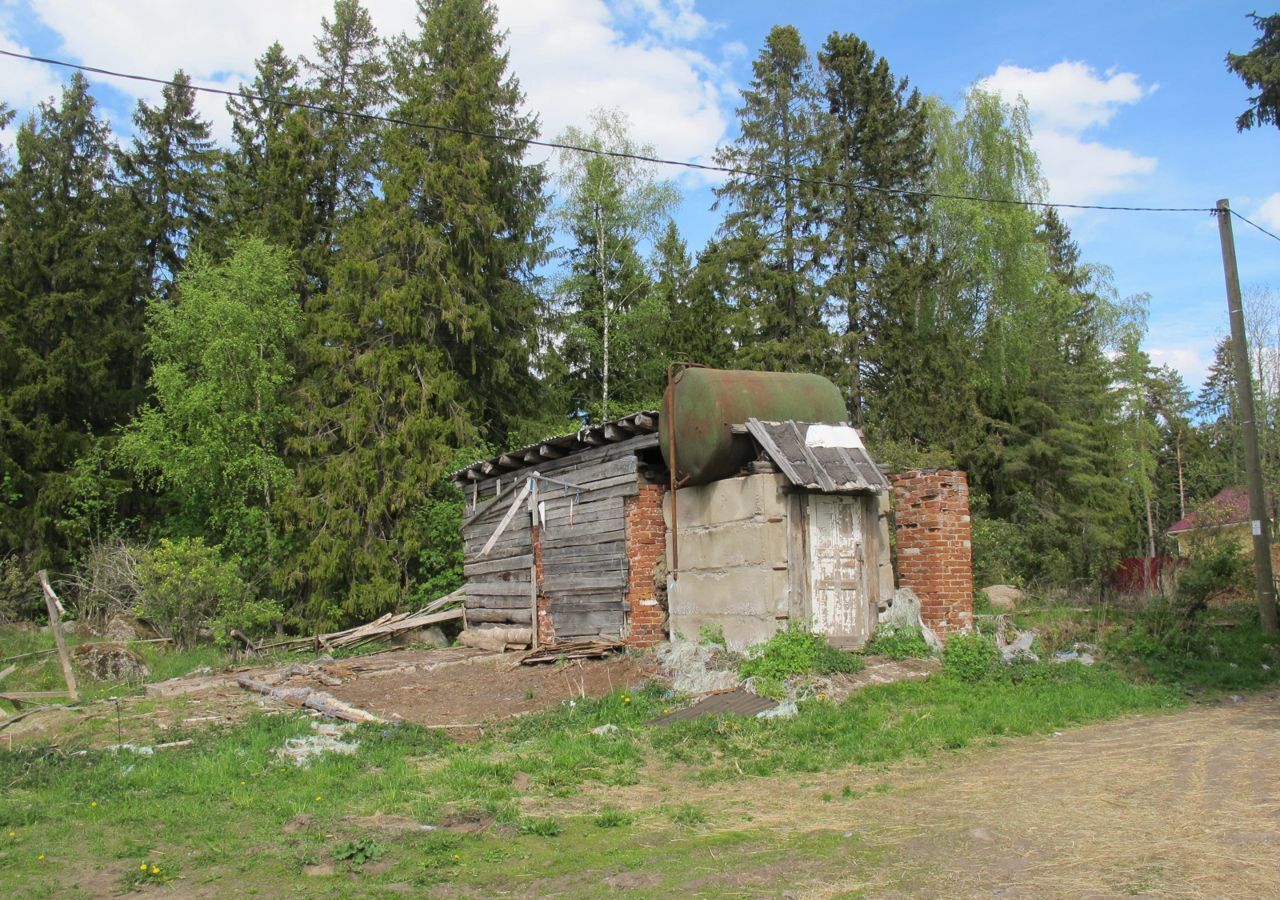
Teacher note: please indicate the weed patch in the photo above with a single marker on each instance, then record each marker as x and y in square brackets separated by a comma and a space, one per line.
[898, 643]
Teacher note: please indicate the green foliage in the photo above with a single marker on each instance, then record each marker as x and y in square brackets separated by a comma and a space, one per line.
[1259, 69]
[358, 852]
[714, 635]
[613, 817]
[797, 651]
[69, 318]
[1226, 653]
[210, 440]
[687, 814]
[543, 826]
[970, 656]
[20, 598]
[185, 584]
[608, 314]
[1217, 568]
[898, 643]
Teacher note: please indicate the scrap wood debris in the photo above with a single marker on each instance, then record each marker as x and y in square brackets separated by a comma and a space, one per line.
[594, 649]
[444, 609]
[309, 698]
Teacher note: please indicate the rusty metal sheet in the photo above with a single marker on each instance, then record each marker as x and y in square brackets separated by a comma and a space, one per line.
[731, 703]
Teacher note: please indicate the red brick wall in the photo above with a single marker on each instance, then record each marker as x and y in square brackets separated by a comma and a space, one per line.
[646, 555]
[931, 509]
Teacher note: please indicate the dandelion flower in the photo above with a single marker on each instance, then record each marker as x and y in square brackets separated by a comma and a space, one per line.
[317, 798]
[93, 802]
[142, 868]
[40, 858]
[626, 699]
[155, 870]
[13, 834]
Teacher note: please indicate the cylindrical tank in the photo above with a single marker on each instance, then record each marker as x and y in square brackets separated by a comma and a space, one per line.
[708, 401]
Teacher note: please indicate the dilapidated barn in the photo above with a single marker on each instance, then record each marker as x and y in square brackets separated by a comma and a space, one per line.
[779, 515]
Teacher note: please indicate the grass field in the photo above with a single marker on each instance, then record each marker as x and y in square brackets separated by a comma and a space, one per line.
[533, 806]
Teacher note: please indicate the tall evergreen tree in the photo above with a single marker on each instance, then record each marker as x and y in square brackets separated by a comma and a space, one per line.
[274, 169]
[1259, 69]
[349, 73]
[170, 175]
[873, 135]
[71, 327]
[769, 246]
[426, 333]
[693, 296]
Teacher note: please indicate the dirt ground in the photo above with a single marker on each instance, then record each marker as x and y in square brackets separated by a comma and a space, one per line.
[1178, 805]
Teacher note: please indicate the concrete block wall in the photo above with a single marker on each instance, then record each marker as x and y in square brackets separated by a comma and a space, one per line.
[733, 559]
[647, 567]
[934, 537]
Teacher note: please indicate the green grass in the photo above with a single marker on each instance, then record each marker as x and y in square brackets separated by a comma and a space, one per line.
[898, 643]
[227, 809]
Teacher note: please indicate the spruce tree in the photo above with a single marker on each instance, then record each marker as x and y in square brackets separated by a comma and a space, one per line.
[422, 344]
[769, 246]
[694, 298]
[873, 135]
[170, 176]
[68, 317]
[348, 73]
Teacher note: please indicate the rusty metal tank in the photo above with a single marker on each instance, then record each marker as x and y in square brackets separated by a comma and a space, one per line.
[707, 402]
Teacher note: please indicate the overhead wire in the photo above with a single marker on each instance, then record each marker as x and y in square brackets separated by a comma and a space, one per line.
[601, 151]
[1274, 237]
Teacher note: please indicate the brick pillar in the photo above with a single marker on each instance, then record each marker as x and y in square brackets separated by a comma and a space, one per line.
[546, 630]
[647, 567]
[931, 508]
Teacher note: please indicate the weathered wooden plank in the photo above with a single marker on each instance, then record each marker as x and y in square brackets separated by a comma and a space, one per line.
[574, 581]
[600, 603]
[576, 623]
[511, 576]
[520, 602]
[607, 559]
[497, 589]
[577, 535]
[557, 598]
[521, 616]
[504, 564]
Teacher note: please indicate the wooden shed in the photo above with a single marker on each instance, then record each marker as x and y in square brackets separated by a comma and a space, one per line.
[563, 538]
[570, 538]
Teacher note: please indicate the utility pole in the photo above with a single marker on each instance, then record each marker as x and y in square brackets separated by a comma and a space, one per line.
[1252, 462]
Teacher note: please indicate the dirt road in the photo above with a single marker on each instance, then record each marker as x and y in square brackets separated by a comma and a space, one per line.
[1179, 805]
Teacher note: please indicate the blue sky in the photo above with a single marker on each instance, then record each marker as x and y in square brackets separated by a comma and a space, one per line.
[1131, 102]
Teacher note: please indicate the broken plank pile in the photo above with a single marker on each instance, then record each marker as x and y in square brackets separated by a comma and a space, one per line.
[379, 629]
[571, 650]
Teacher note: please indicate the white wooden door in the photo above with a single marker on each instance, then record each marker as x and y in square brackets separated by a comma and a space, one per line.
[837, 569]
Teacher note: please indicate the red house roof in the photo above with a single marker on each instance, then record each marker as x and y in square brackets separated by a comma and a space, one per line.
[1230, 506]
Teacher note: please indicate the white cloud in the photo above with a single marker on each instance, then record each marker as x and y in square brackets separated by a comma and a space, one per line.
[1192, 361]
[570, 55]
[671, 19]
[1065, 101]
[1268, 212]
[25, 84]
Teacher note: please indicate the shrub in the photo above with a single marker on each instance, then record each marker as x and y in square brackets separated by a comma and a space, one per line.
[970, 656]
[797, 651]
[1216, 567]
[19, 596]
[898, 643]
[185, 585]
[105, 582]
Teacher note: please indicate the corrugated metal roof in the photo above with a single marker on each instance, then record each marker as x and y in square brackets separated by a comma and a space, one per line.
[819, 456]
[612, 432]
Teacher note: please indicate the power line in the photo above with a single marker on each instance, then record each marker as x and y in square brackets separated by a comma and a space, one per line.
[597, 151]
[1274, 237]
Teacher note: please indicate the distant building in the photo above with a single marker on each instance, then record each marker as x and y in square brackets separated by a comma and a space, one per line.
[1225, 515]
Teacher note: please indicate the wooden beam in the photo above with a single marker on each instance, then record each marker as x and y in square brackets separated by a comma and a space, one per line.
[592, 437]
[508, 461]
[614, 434]
[738, 429]
[646, 421]
[55, 614]
[547, 451]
